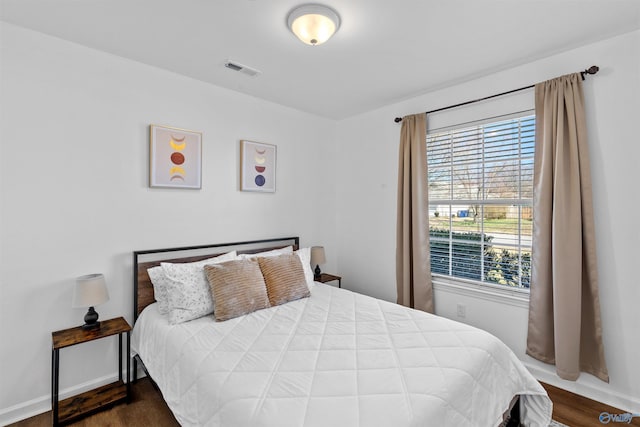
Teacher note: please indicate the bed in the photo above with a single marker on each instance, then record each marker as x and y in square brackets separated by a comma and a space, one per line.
[333, 358]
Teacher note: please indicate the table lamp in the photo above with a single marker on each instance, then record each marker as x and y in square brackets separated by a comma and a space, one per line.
[91, 290]
[317, 258]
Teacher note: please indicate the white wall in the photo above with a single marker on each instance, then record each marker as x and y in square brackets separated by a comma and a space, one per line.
[366, 206]
[75, 198]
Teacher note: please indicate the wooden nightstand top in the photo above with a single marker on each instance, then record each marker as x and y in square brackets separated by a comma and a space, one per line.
[77, 335]
[325, 277]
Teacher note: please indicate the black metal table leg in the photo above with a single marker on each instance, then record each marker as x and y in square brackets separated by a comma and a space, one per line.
[120, 357]
[56, 384]
[128, 355]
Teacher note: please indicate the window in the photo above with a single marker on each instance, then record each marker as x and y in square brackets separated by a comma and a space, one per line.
[480, 200]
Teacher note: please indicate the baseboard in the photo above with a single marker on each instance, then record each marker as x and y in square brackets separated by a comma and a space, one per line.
[42, 404]
[608, 397]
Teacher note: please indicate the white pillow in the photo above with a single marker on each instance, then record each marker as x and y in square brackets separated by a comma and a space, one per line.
[274, 252]
[188, 293]
[305, 258]
[159, 281]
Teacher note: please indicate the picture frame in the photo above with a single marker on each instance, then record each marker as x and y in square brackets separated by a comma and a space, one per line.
[175, 157]
[257, 166]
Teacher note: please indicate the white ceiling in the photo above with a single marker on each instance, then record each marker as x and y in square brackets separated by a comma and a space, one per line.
[385, 51]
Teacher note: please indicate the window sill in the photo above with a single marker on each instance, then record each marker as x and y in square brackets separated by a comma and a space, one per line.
[495, 293]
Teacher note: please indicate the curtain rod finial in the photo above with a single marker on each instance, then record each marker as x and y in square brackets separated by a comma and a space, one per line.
[591, 70]
[397, 119]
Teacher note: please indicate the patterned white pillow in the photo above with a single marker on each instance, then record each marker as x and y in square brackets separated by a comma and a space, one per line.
[188, 293]
[159, 281]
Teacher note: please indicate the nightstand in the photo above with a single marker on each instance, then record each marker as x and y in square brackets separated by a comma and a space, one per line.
[324, 278]
[91, 401]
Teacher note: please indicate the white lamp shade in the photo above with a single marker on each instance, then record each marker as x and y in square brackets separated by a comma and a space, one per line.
[317, 255]
[313, 24]
[91, 290]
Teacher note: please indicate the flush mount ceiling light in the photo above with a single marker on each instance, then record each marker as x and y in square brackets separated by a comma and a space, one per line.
[313, 24]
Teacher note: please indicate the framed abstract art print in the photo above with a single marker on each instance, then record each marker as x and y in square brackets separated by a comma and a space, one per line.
[257, 167]
[175, 157]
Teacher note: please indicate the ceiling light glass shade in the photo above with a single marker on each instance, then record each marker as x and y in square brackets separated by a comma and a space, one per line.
[313, 24]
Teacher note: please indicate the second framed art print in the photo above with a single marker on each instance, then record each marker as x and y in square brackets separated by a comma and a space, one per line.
[257, 167]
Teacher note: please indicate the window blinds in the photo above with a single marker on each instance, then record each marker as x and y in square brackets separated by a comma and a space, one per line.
[480, 180]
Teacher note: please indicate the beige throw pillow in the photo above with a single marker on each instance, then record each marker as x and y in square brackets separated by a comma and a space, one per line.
[237, 288]
[284, 277]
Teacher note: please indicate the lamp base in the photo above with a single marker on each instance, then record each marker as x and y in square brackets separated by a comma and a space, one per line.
[317, 273]
[91, 320]
[90, 326]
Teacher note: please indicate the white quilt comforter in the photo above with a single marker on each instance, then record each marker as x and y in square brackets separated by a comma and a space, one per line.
[337, 358]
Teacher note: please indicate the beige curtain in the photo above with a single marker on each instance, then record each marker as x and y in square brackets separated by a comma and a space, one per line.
[413, 268]
[564, 307]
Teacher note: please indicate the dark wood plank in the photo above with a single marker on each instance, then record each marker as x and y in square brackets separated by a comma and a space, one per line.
[94, 400]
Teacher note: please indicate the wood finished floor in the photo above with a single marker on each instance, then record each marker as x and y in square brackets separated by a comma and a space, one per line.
[148, 409]
[578, 411]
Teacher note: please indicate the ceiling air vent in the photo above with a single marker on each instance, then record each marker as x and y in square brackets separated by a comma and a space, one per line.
[235, 66]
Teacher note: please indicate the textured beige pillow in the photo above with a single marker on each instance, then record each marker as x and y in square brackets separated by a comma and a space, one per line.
[284, 277]
[237, 288]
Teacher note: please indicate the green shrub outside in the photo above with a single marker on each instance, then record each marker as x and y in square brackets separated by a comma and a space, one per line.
[500, 266]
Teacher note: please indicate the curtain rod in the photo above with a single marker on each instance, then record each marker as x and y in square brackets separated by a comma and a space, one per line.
[591, 70]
